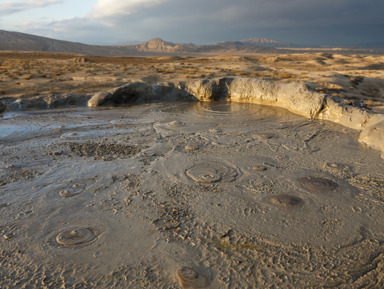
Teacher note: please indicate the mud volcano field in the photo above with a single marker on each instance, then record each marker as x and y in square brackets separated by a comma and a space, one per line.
[187, 195]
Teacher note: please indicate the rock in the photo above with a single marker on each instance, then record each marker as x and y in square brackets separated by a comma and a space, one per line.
[373, 137]
[169, 91]
[82, 60]
[29, 103]
[210, 89]
[151, 79]
[134, 92]
[50, 101]
[3, 107]
[140, 92]
[347, 115]
[295, 97]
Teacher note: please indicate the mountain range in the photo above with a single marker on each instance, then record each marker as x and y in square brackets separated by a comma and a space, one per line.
[17, 41]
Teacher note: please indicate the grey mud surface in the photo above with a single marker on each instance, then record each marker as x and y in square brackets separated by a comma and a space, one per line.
[226, 195]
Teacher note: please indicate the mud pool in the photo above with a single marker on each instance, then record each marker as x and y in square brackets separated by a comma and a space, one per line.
[206, 195]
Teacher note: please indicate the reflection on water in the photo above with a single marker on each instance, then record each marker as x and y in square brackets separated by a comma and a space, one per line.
[18, 126]
[225, 108]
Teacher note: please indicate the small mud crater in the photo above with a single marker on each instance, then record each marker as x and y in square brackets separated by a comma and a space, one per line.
[190, 278]
[318, 185]
[72, 135]
[192, 147]
[212, 173]
[265, 136]
[102, 151]
[76, 236]
[74, 190]
[73, 187]
[285, 201]
[173, 127]
[259, 168]
[176, 123]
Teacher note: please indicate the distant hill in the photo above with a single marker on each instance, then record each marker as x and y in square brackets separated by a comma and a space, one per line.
[17, 41]
[159, 45]
[26, 42]
[265, 42]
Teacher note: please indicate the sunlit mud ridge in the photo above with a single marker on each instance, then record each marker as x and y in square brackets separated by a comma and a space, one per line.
[295, 97]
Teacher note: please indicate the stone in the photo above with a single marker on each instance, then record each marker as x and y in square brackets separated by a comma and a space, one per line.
[3, 107]
[133, 92]
[373, 137]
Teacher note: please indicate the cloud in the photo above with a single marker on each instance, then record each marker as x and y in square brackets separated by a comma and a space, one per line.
[214, 20]
[11, 7]
[78, 29]
[208, 21]
[114, 8]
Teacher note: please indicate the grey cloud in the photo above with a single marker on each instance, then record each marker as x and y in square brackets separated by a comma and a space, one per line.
[207, 21]
[78, 29]
[7, 8]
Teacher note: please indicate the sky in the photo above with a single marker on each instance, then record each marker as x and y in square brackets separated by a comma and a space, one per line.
[112, 22]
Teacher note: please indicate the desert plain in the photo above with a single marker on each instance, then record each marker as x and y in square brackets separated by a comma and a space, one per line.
[188, 194]
[356, 76]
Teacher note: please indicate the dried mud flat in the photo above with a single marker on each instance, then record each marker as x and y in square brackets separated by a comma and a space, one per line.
[190, 195]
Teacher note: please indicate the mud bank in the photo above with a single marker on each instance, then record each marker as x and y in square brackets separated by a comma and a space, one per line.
[295, 97]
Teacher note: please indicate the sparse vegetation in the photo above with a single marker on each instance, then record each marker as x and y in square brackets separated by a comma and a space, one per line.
[344, 76]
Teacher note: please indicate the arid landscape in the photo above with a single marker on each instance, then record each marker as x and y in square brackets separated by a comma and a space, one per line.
[357, 78]
[198, 194]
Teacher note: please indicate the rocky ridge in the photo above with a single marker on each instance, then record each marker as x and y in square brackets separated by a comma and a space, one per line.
[17, 41]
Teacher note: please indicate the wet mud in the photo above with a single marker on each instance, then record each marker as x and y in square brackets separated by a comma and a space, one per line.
[187, 195]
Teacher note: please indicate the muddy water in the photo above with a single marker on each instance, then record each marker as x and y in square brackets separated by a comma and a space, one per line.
[227, 195]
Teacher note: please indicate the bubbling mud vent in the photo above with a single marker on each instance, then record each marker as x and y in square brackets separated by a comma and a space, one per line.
[285, 200]
[318, 185]
[187, 195]
[76, 236]
[190, 278]
[212, 172]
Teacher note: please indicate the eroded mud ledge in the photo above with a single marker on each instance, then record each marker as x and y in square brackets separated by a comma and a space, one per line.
[295, 97]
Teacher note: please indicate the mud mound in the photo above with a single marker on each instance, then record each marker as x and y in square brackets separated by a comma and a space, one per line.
[211, 173]
[285, 201]
[77, 236]
[318, 185]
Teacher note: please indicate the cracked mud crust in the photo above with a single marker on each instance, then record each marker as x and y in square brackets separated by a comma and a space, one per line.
[188, 198]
